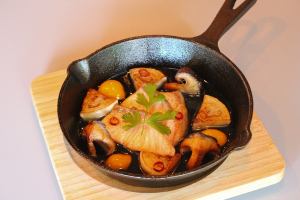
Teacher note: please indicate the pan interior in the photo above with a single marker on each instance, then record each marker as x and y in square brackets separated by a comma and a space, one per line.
[158, 52]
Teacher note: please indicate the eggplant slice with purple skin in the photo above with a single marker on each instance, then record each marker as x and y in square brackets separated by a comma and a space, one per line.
[95, 132]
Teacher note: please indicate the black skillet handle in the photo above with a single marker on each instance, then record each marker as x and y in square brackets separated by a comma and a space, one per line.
[225, 18]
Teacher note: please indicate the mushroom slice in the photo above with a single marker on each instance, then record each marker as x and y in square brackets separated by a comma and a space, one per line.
[95, 132]
[212, 113]
[199, 145]
[142, 75]
[157, 165]
[220, 136]
[186, 82]
[95, 105]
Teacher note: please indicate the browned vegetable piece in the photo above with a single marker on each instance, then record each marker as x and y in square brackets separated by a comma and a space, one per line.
[217, 134]
[157, 165]
[95, 132]
[199, 145]
[186, 82]
[212, 113]
[95, 105]
[142, 75]
[118, 161]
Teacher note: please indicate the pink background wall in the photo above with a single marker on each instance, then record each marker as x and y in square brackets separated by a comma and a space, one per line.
[37, 37]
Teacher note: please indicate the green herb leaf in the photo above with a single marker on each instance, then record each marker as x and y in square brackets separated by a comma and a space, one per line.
[158, 97]
[150, 90]
[141, 99]
[156, 118]
[159, 127]
[153, 96]
[132, 119]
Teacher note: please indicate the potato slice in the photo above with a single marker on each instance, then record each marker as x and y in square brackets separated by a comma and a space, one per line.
[212, 113]
[141, 76]
[157, 165]
[95, 105]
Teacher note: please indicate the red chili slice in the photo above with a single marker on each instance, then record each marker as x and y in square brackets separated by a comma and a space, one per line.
[114, 121]
[144, 72]
[158, 166]
[179, 115]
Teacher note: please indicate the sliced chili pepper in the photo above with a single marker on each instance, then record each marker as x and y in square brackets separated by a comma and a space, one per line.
[158, 166]
[179, 115]
[114, 121]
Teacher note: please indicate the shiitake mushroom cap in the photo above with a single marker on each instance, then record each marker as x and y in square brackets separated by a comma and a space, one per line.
[199, 144]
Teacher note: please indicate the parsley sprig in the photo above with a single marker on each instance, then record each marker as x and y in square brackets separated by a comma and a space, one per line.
[153, 96]
[156, 119]
[132, 119]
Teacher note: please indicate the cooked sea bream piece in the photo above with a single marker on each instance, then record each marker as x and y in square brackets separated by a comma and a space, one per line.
[141, 137]
[131, 102]
[173, 101]
[179, 125]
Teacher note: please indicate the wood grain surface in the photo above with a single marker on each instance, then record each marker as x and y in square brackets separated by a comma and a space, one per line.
[254, 167]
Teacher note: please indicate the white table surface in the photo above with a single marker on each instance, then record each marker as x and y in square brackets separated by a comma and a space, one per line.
[38, 37]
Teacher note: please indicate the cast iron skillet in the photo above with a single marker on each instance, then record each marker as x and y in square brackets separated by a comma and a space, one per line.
[201, 53]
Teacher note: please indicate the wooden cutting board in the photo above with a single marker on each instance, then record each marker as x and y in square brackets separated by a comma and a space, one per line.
[258, 165]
